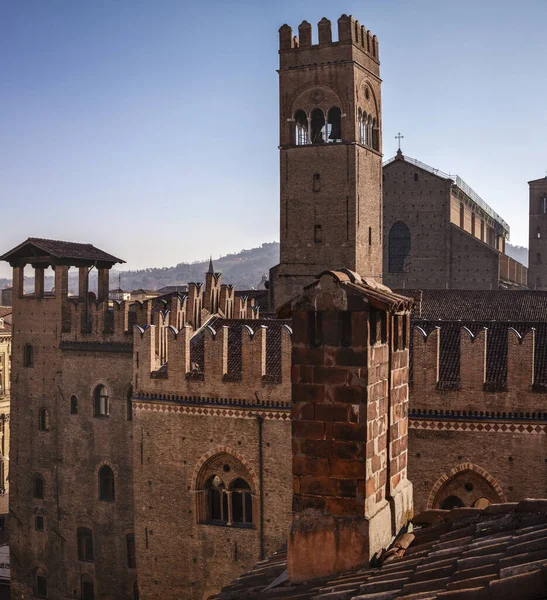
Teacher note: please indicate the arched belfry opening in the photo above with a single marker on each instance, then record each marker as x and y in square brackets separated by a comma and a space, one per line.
[317, 126]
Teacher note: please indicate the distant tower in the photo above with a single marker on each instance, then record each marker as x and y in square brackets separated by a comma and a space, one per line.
[331, 155]
[537, 247]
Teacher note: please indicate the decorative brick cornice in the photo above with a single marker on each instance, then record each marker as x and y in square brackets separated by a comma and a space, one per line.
[215, 411]
[481, 427]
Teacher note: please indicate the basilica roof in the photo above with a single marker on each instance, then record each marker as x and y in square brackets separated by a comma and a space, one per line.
[499, 552]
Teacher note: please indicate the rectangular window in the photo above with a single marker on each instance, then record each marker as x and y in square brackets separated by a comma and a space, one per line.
[131, 554]
[318, 234]
[39, 523]
[41, 586]
[316, 182]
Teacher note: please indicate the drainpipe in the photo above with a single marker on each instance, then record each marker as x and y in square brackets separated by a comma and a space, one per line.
[260, 422]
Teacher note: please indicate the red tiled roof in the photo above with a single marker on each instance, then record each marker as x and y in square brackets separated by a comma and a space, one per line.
[60, 250]
[480, 305]
[463, 554]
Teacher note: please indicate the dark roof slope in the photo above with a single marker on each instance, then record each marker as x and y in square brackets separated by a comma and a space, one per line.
[480, 305]
[62, 251]
[463, 554]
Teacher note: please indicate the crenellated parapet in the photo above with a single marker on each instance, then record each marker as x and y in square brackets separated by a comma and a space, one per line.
[350, 32]
[94, 321]
[224, 361]
[474, 362]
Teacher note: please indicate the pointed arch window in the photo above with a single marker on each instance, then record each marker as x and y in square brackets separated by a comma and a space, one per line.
[301, 128]
[106, 484]
[73, 405]
[101, 401]
[38, 487]
[225, 495]
[399, 247]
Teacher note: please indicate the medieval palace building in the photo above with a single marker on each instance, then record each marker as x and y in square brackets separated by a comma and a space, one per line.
[160, 448]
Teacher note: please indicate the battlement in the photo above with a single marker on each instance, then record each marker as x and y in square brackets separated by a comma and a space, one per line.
[225, 358]
[350, 32]
[464, 361]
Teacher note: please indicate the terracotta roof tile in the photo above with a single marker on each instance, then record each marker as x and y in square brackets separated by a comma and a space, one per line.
[471, 556]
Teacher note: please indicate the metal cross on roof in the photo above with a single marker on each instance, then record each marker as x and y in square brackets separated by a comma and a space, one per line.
[399, 137]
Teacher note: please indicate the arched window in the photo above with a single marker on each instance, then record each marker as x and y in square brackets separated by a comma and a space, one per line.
[101, 403]
[73, 405]
[317, 126]
[88, 589]
[242, 502]
[129, 402]
[416, 177]
[43, 420]
[399, 247]
[106, 483]
[301, 121]
[543, 205]
[334, 125]
[40, 583]
[85, 544]
[360, 125]
[38, 487]
[451, 502]
[538, 232]
[217, 501]
[375, 135]
[28, 355]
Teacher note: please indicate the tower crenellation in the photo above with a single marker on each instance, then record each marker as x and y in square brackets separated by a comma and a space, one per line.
[350, 33]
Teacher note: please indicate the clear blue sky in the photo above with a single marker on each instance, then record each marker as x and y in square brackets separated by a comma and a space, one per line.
[149, 128]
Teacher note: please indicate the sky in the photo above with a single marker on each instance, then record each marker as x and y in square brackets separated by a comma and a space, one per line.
[150, 127]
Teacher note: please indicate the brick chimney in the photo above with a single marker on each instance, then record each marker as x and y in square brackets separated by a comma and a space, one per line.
[350, 405]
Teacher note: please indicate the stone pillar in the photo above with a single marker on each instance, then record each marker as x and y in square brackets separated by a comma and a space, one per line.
[349, 418]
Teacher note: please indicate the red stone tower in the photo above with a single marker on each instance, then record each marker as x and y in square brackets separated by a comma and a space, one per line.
[331, 155]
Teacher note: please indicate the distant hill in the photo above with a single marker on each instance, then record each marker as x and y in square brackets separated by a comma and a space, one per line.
[519, 253]
[244, 270]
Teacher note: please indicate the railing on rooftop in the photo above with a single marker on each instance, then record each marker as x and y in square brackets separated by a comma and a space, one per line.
[459, 183]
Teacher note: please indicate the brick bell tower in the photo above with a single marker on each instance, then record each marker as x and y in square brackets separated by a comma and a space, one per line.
[537, 246]
[331, 155]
